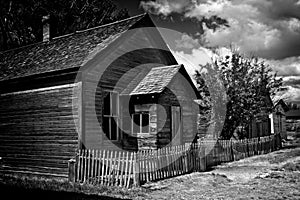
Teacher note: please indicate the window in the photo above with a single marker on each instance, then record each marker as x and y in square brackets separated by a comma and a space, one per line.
[140, 123]
[110, 115]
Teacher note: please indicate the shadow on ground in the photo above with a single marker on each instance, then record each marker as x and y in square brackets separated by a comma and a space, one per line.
[11, 193]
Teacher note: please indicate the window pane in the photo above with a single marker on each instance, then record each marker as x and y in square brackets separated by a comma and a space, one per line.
[145, 123]
[136, 123]
[114, 99]
[114, 129]
[106, 104]
[105, 126]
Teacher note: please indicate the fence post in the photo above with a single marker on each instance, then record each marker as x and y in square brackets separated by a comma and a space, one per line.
[72, 170]
[280, 141]
[136, 171]
[231, 148]
[202, 158]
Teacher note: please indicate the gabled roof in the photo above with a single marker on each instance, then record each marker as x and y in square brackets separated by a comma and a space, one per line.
[140, 74]
[283, 104]
[153, 80]
[65, 52]
[156, 80]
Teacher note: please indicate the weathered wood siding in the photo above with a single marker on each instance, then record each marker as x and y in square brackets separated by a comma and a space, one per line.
[279, 121]
[179, 93]
[94, 86]
[260, 127]
[38, 129]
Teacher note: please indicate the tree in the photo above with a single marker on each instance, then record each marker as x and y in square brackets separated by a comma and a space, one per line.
[248, 84]
[21, 20]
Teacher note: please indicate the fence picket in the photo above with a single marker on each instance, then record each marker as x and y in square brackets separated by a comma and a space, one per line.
[113, 168]
[78, 178]
[130, 167]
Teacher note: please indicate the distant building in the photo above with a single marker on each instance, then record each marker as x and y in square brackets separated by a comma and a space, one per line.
[278, 119]
[293, 114]
[293, 120]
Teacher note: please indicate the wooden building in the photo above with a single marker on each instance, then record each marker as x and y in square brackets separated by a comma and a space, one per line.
[261, 125]
[278, 119]
[293, 115]
[85, 90]
[268, 123]
[164, 97]
[293, 120]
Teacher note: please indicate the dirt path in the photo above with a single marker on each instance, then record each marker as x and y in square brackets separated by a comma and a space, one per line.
[272, 176]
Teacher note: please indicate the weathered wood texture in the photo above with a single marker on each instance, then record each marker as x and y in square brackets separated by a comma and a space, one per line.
[106, 167]
[278, 119]
[260, 127]
[279, 122]
[179, 93]
[114, 70]
[125, 169]
[38, 129]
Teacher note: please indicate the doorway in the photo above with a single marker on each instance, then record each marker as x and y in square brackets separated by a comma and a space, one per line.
[176, 129]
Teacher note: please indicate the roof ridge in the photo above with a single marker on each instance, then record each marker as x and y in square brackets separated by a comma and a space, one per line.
[112, 23]
[21, 47]
[70, 34]
[160, 67]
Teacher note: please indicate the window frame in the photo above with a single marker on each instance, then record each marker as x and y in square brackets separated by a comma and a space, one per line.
[111, 116]
[141, 122]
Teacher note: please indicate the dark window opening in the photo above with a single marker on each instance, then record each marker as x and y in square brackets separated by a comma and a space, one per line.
[110, 115]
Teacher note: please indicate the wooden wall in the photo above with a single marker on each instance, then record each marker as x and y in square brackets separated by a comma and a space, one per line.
[260, 127]
[148, 140]
[166, 100]
[279, 121]
[179, 93]
[38, 129]
[105, 72]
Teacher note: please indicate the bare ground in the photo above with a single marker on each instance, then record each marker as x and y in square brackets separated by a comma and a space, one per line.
[271, 176]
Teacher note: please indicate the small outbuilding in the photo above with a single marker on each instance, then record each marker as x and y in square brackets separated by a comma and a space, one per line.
[278, 119]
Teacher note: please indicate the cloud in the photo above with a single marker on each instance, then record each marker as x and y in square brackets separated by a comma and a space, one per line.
[291, 89]
[166, 7]
[293, 81]
[286, 67]
[267, 29]
[291, 94]
[192, 62]
[187, 42]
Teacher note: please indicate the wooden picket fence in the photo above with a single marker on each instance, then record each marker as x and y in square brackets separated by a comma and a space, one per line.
[110, 168]
[124, 169]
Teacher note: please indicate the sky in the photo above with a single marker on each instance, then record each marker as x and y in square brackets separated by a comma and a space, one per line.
[267, 29]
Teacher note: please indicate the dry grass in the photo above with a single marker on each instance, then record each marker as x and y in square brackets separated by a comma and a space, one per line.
[271, 176]
[34, 183]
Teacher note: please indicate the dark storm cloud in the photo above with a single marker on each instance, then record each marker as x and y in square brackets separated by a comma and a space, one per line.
[293, 82]
[268, 29]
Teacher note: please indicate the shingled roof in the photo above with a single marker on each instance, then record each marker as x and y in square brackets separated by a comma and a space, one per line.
[61, 53]
[156, 80]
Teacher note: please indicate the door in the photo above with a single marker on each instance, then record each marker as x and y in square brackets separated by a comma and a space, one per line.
[176, 129]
